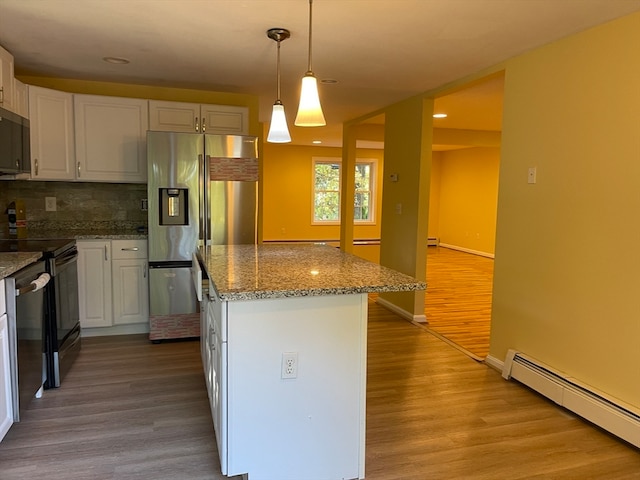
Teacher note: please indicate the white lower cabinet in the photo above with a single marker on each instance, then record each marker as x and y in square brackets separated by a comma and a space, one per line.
[268, 426]
[130, 282]
[6, 409]
[113, 286]
[94, 283]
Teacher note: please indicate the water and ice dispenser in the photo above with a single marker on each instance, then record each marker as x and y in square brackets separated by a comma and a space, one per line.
[174, 206]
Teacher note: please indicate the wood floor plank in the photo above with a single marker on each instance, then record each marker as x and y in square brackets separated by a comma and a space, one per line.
[131, 410]
[458, 298]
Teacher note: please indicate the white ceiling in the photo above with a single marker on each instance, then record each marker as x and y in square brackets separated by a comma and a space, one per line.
[379, 51]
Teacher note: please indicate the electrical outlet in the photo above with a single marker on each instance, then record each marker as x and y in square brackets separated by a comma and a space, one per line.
[144, 205]
[50, 204]
[289, 365]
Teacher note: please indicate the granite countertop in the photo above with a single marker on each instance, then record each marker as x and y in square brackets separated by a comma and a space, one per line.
[251, 272]
[89, 234]
[11, 262]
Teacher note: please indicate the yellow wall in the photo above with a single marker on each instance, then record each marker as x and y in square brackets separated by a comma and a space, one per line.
[288, 194]
[434, 195]
[405, 207]
[468, 197]
[567, 264]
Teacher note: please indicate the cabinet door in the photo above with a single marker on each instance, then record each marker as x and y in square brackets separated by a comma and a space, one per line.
[225, 119]
[174, 117]
[217, 370]
[130, 291]
[111, 138]
[52, 144]
[6, 409]
[6, 80]
[21, 98]
[94, 283]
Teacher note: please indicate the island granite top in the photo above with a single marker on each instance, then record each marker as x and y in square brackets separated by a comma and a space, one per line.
[11, 262]
[251, 272]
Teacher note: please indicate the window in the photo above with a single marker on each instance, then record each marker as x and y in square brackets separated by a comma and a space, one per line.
[326, 190]
[326, 202]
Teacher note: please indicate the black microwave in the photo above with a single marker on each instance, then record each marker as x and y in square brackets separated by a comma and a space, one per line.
[15, 153]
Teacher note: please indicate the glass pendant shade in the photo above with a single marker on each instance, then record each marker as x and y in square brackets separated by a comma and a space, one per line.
[309, 111]
[278, 131]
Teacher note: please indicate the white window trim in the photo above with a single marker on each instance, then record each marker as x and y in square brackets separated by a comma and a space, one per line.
[373, 175]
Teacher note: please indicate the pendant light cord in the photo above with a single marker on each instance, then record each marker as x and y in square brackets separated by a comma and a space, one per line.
[310, 27]
[278, 74]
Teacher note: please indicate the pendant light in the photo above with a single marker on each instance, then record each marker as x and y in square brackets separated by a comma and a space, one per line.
[278, 131]
[309, 111]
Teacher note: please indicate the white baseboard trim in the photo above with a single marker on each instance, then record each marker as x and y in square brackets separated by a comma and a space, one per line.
[402, 312]
[494, 363]
[467, 250]
[117, 330]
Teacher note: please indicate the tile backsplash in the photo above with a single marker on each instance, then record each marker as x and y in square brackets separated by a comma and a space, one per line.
[79, 205]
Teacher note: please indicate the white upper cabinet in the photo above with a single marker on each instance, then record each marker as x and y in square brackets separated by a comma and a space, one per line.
[52, 139]
[21, 98]
[111, 136]
[198, 118]
[6, 80]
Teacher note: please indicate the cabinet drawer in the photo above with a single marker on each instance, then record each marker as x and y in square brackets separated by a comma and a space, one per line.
[124, 249]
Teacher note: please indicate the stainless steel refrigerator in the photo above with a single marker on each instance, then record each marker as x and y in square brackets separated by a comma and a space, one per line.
[202, 190]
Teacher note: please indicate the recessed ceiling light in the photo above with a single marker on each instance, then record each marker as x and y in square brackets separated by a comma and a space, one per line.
[317, 142]
[439, 115]
[116, 60]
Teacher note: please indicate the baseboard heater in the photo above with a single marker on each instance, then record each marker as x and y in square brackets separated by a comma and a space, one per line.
[432, 241]
[609, 414]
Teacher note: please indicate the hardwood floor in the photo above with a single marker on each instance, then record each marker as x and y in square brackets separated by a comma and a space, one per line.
[132, 410]
[458, 299]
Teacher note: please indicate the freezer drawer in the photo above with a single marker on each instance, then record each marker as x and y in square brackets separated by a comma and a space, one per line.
[171, 291]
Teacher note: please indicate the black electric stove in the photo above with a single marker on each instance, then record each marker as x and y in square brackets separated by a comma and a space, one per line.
[62, 318]
[48, 248]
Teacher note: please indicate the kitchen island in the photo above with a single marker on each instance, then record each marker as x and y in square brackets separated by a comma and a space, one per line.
[11, 262]
[284, 345]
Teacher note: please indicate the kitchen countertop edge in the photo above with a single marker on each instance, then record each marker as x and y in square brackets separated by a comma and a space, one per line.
[255, 276]
[11, 262]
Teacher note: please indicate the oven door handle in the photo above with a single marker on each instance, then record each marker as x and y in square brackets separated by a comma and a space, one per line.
[38, 284]
[64, 261]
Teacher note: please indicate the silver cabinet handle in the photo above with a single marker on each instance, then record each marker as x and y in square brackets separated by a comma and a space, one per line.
[1, 94]
[204, 126]
[18, 163]
[106, 256]
[131, 249]
[197, 125]
[144, 271]
[78, 169]
[36, 166]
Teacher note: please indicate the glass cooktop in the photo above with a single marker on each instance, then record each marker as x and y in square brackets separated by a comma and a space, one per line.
[47, 247]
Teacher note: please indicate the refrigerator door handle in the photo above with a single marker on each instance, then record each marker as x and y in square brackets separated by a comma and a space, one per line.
[202, 186]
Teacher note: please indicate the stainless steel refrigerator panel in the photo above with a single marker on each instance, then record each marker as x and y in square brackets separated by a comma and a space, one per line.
[233, 212]
[231, 146]
[174, 162]
[171, 291]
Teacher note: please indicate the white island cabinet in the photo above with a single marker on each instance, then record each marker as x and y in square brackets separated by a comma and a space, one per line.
[286, 371]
